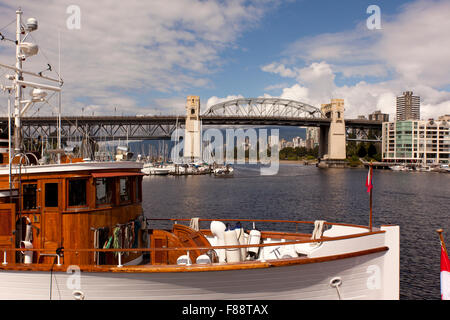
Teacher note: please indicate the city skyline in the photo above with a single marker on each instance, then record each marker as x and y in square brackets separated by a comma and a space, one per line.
[153, 56]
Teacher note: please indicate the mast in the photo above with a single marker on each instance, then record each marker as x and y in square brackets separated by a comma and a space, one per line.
[23, 51]
[9, 139]
[18, 87]
[59, 97]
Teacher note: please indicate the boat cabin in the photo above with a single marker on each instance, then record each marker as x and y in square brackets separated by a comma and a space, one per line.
[68, 206]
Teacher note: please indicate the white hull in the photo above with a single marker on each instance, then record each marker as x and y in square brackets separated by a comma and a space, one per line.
[155, 171]
[307, 281]
[364, 274]
[399, 168]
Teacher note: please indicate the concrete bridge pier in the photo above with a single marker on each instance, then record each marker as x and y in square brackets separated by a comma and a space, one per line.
[332, 144]
[192, 134]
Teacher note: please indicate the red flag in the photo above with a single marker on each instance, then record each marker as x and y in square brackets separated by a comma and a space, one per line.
[369, 184]
[445, 275]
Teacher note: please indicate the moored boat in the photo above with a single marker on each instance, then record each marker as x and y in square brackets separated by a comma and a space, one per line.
[152, 169]
[77, 230]
[226, 170]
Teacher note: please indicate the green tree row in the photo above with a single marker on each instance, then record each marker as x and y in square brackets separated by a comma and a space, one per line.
[299, 153]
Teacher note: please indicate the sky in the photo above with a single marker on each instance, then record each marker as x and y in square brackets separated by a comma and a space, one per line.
[145, 57]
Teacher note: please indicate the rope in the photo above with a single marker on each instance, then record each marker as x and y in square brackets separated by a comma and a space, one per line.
[116, 235]
[317, 232]
[194, 224]
[96, 246]
[8, 24]
[318, 229]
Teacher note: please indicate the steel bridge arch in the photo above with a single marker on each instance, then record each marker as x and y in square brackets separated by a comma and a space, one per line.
[264, 107]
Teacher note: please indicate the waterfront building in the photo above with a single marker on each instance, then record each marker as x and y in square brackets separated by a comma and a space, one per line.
[416, 141]
[312, 137]
[379, 116]
[408, 107]
[298, 142]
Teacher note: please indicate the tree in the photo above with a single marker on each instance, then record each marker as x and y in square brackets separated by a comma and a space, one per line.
[362, 152]
[371, 151]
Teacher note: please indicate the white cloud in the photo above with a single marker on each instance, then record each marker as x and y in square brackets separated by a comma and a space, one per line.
[296, 92]
[411, 52]
[215, 100]
[128, 48]
[276, 86]
[280, 69]
[416, 43]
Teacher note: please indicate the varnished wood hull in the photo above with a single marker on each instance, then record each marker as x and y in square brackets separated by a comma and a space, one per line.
[362, 277]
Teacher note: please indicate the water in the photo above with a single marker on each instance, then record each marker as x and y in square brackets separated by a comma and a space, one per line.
[417, 201]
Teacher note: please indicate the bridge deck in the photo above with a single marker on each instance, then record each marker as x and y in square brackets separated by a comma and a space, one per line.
[158, 127]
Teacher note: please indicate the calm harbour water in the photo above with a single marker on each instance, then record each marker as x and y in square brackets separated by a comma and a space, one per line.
[417, 201]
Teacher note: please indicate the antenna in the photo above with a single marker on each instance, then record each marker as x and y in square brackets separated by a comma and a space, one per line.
[59, 95]
[25, 50]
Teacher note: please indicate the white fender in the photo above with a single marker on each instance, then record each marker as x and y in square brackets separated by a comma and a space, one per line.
[233, 254]
[254, 238]
[240, 233]
[218, 231]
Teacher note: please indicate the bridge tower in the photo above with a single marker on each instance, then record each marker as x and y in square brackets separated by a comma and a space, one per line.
[332, 145]
[192, 134]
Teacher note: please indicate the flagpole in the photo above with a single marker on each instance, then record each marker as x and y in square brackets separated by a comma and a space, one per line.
[370, 199]
[439, 231]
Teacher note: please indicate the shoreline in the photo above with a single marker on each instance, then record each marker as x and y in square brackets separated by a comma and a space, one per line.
[309, 162]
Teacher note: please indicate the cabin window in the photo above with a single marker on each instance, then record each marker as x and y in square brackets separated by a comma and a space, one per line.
[77, 192]
[104, 190]
[51, 194]
[124, 189]
[29, 192]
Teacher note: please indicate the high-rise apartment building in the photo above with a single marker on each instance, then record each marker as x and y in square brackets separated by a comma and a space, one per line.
[378, 116]
[312, 137]
[408, 107]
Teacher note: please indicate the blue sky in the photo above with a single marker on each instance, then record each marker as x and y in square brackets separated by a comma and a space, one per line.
[277, 31]
[145, 57]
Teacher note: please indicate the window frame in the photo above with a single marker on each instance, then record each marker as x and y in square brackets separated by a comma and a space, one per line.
[130, 190]
[36, 209]
[44, 198]
[112, 201]
[68, 181]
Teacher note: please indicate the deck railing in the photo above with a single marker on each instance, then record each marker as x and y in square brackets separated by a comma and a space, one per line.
[58, 253]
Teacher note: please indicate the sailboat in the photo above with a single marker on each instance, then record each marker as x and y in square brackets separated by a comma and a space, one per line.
[78, 231]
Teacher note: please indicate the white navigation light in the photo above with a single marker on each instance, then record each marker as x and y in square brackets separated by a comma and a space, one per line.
[37, 93]
[29, 49]
[32, 24]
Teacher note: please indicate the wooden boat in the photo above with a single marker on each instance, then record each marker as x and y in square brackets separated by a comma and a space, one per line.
[77, 230]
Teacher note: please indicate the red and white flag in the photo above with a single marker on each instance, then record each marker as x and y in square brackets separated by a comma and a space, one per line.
[445, 275]
[369, 184]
